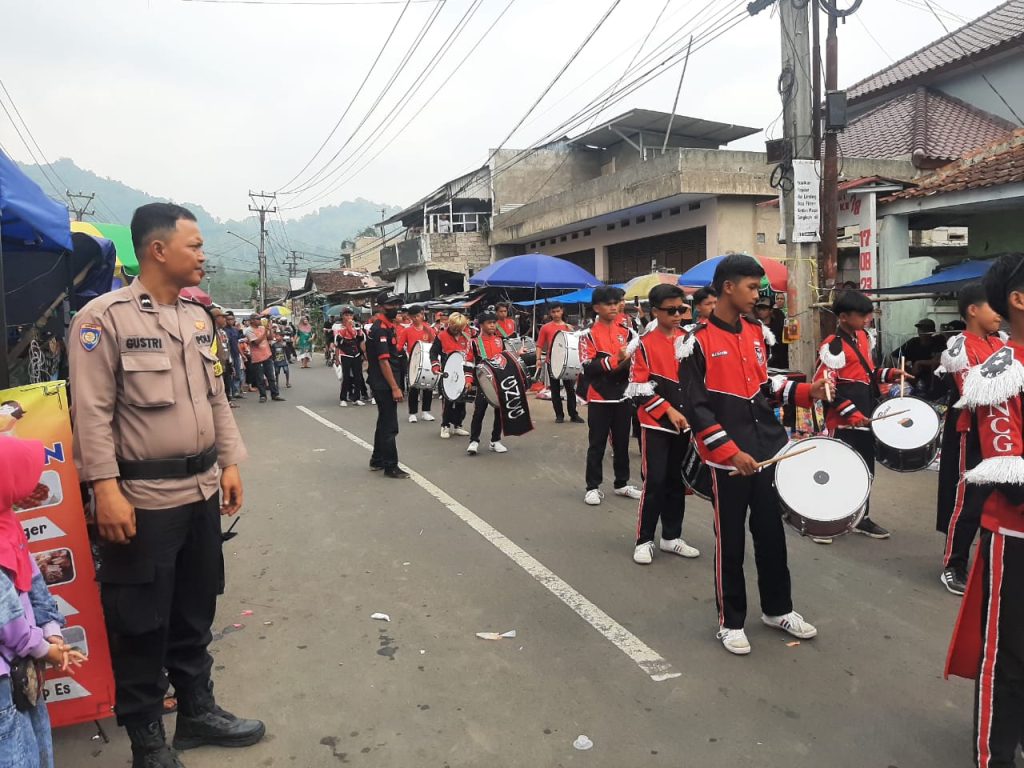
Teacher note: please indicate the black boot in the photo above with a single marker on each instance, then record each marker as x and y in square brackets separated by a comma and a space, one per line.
[149, 747]
[201, 721]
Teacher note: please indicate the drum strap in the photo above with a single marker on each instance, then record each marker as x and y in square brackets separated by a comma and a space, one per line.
[863, 361]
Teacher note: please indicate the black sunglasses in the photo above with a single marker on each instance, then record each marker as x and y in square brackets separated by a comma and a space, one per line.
[674, 310]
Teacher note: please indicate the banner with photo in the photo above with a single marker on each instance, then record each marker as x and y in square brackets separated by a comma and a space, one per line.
[54, 522]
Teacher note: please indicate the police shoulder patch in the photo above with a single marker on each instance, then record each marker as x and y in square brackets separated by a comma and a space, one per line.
[90, 334]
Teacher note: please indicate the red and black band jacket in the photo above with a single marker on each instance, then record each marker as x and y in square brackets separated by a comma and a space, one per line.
[854, 397]
[349, 341]
[728, 397]
[444, 344]
[507, 327]
[963, 352]
[605, 377]
[654, 385]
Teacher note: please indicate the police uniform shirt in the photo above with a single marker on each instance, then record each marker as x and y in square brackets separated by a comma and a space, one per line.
[146, 385]
[381, 345]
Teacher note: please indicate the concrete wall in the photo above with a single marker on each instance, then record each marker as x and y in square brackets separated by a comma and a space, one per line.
[1005, 73]
[740, 221]
[542, 173]
[465, 252]
[995, 232]
[366, 254]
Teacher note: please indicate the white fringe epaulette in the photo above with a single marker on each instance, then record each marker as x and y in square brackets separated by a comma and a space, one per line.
[954, 356]
[778, 382]
[1003, 336]
[997, 471]
[872, 337]
[634, 344]
[635, 389]
[835, 362]
[769, 337]
[684, 346]
[995, 381]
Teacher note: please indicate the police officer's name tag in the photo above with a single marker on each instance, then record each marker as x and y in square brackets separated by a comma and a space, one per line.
[143, 342]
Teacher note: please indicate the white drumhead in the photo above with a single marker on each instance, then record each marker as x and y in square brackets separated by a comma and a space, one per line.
[454, 381]
[416, 357]
[827, 484]
[914, 429]
[559, 353]
[485, 380]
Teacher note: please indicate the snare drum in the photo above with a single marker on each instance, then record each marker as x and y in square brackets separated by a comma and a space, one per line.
[525, 349]
[420, 374]
[565, 356]
[908, 442]
[824, 492]
[697, 474]
[453, 380]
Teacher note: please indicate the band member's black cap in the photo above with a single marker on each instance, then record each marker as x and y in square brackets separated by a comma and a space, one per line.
[484, 317]
[387, 298]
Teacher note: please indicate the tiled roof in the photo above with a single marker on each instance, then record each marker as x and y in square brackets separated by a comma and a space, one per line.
[341, 280]
[1000, 163]
[1000, 28]
[929, 126]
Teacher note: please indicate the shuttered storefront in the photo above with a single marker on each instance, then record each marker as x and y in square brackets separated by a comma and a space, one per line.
[677, 251]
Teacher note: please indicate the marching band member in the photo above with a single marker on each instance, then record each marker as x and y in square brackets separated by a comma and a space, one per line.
[605, 357]
[417, 331]
[958, 512]
[704, 300]
[440, 321]
[657, 394]
[544, 340]
[847, 357]
[486, 346]
[453, 339]
[348, 345]
[728, 401]
[988, 642]
[506, 325]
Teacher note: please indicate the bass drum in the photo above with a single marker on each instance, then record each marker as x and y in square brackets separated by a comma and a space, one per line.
[503, 383]
[824, 492]
[565, 356]
[907, 442]
[420, 374]
[697, 474]
[453, 379]
[525, 349]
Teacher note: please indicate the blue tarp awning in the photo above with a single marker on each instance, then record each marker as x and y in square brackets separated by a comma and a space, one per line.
[27, 216]
[582, 296]
[943, 281]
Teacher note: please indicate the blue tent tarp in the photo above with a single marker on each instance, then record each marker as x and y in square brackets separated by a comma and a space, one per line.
[582, 296]
[944, 280]
[27, 216]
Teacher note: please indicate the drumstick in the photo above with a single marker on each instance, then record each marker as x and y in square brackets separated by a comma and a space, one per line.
[777, 459]
[888, 415]
[828, 390]
[903, 374]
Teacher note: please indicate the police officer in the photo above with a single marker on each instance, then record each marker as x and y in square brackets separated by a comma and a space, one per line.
[155, 438]
[384, 381]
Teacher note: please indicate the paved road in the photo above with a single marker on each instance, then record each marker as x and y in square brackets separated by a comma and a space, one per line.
[466, 547]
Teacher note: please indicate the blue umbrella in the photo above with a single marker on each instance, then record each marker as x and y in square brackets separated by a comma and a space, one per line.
[534, 270]
[704, 272]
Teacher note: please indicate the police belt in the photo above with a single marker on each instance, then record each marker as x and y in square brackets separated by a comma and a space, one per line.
[168, 469]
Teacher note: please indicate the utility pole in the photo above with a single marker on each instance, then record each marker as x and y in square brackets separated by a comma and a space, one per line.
[293, 264]
[802, 326]
[262, 208]
[81, 210]
[210, 271]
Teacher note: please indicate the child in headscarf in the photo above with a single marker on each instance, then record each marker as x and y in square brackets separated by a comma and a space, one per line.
[29, 619]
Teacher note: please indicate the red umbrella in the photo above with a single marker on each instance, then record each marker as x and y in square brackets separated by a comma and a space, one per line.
[197, 294]
[704, 272]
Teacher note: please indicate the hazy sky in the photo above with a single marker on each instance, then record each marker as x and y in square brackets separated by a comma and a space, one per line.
[201, 101]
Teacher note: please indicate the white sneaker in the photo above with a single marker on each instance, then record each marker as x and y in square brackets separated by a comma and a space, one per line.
[643, 554]
[445, 433]
[678, 547]
[343, 403]
[793, 623]
[593, 497]
[427, 417]
[412, 418]
[628, 491]
[472, 448]
[497, 447]
[735, 641]
[461, 432]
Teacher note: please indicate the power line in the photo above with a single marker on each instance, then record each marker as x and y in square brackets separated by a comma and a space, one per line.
[32, 154]
[874, 39]
[380, 97]
[427, 102]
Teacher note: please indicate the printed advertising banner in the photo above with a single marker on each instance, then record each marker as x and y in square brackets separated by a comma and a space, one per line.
[54, 522]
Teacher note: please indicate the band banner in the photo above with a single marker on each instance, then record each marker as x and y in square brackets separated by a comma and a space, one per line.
[510, 383]
[54, 522]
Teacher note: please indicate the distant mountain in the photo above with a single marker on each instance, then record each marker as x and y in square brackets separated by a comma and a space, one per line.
[317, 236]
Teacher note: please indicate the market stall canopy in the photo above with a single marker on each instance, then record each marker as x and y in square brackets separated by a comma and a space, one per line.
[534, 270]
[28, 218]
[943, 280]
[640, 287]
[704, 273]
[120, 235]
[582, 296]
